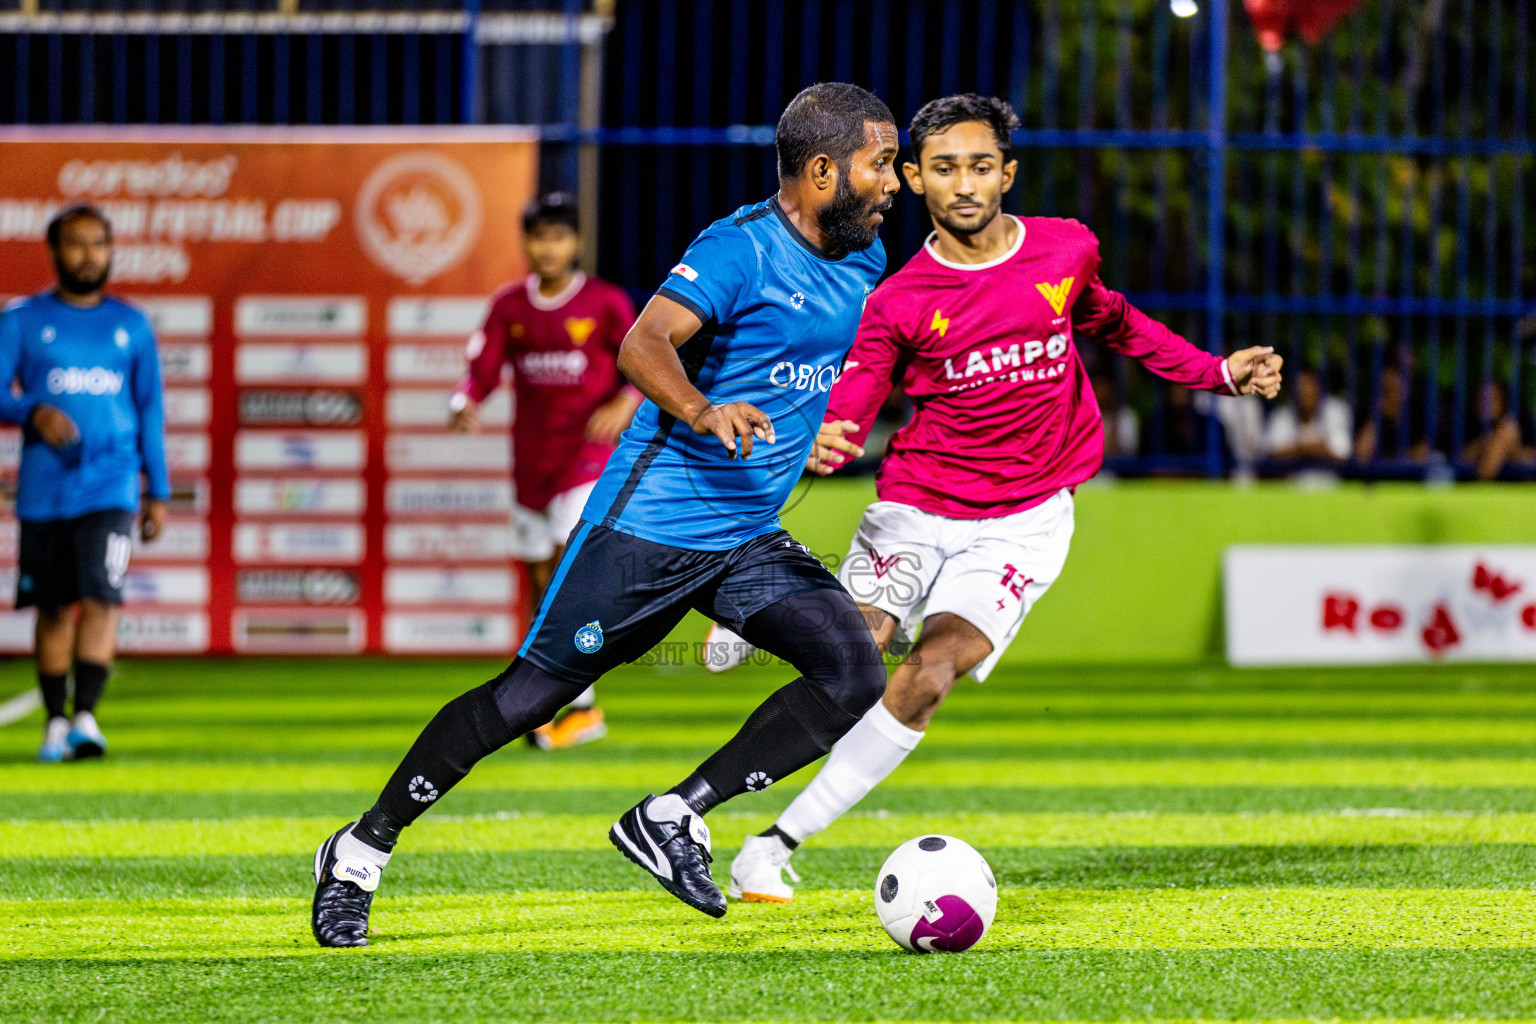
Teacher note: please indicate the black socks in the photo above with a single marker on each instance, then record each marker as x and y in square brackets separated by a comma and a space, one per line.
[698, 794]
[468, 728]
[90, 681]
[55, 692]
[465, 730]
[796, 724]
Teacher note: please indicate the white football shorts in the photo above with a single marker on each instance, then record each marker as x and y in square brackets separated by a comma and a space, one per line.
[536, 535]
[989, 572]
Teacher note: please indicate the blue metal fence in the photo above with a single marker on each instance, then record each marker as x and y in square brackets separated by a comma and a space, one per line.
[1362, 204]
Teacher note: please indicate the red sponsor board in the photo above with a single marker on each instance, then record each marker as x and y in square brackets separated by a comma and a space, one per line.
[311, 291]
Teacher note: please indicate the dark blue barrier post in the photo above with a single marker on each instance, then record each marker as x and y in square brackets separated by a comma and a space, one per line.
[1216, 204]
[469, 69]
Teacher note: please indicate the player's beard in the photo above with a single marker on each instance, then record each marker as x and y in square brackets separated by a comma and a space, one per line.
[971, 225]
[77, 284]
[846, 218]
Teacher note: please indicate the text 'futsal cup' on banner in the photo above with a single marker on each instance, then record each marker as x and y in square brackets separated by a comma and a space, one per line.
[296, 279]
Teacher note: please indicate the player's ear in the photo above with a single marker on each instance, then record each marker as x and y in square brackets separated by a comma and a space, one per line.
[1009, 170]
[914, 176]
[822, 171]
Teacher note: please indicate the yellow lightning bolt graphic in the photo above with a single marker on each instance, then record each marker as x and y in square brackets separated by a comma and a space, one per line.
[940, 323]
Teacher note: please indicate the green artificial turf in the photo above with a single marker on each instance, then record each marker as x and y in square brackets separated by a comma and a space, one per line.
[1171, 844]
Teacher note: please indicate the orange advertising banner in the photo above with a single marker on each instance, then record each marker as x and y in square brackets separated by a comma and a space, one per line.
[311, 291]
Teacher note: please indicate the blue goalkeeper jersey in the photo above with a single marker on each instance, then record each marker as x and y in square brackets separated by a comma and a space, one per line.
[99, 366]
[778, 317]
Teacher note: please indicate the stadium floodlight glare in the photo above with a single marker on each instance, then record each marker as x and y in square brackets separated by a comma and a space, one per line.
[1183, 8]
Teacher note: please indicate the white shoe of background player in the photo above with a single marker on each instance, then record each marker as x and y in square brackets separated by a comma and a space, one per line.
[756, 873]
[724, 650]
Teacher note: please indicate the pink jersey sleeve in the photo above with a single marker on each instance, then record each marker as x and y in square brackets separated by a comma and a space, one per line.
[487, 353]
[1106, 317]
[869, 372]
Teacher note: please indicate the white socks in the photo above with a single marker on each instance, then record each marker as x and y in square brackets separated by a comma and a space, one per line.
[351, 846]
[586, 700]
[859, 762]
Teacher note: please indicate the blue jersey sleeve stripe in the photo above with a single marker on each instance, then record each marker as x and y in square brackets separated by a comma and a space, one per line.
[687, 303]
[554, 585]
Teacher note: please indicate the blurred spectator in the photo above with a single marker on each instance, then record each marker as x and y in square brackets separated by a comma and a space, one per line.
[1373, 442]
[1122, 427]
[1317, 428]
[1183, 424]
[1501, 444]
[1242, 420]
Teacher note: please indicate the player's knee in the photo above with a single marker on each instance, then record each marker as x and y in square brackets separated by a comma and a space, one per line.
[857, 679]
[527, 696]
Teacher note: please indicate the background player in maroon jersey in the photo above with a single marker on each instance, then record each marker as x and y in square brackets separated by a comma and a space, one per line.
[559, 330]
[975, 509]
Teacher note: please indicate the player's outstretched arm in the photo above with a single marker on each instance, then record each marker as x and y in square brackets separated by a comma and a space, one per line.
[649, 359]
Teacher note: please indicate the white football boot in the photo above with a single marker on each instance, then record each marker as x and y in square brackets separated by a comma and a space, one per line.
[724, 650]
[757, 872]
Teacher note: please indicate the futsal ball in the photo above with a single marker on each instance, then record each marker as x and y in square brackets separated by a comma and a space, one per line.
[936, 894]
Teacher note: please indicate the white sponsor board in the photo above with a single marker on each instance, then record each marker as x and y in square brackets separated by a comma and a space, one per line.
[190, 497]
[148, 631]
[8, 574]
[335, 362]
[300, 449]
[10, 450]
[443, 317]
[289, 496]
[182, 540]
[427, 363]
[166, 585]
[185, 362]
[298, 631]
[187, 407]
[187, 453]
[475, 497]
[440, 542]
[430, 452]
[447, 632]
[448, 586]
[301, 315]
[290, 543]
[428, 407]
[186, 316]
[16, 628]
[1353, 605]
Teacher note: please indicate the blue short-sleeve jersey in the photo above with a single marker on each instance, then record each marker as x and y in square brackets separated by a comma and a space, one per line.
[778, 317]
[100, 366]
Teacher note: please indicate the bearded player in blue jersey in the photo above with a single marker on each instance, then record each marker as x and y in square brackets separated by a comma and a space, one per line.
[90, 411]
[735, 355]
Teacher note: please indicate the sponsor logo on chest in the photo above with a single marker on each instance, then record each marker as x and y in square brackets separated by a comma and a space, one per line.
[83, 380]
[1018, 357]
[554, 365]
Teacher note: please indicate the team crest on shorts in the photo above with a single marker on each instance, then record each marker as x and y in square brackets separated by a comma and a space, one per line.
[589, 638]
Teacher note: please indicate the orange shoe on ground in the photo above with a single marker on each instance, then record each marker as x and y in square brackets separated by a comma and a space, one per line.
[571, 729]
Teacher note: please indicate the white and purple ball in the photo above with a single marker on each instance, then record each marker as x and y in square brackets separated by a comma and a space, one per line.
[936, 894]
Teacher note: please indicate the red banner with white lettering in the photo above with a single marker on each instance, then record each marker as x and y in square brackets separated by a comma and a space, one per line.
[311, 293]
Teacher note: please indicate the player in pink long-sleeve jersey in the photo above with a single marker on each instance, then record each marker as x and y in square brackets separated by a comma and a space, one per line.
[560, 331]
[975, 509]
